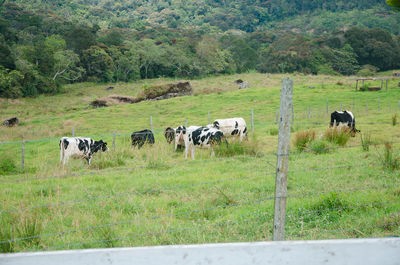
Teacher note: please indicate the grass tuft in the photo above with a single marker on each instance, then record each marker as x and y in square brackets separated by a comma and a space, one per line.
[303, 139]
[365, 140]
[319, 147]
[394, 119]
[7, 165]
[235, 147]
[339, 135]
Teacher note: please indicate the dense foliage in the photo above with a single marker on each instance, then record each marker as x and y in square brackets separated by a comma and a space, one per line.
[44, 44]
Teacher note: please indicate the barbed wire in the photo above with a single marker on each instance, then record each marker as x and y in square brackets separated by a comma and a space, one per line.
[237, 204]
[71, 202]
[105, 171]
[196, 227]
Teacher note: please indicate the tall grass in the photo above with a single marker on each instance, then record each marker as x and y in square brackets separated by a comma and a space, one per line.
[303, 139]
[339, 135]
[365, 140]
[390, 160]
[249, 146]
[394, 119]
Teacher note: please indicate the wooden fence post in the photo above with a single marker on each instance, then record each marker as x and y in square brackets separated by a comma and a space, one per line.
[186, 123]
[23, 156]
[252, 120]
[282, 159]
[309, 112]
[73, 131]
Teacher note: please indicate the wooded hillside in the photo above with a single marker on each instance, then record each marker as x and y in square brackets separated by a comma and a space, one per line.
[45, 44]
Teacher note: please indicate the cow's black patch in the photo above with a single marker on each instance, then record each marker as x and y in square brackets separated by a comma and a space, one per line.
[236, 131]
[216, 124]
[66, 143]
[203, 138]
[81, 145]
[86, 144]
[196, 136]
[169, 134]
[245, 130]
[236, 124]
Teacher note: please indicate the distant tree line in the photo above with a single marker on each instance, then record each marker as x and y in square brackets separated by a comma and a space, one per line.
[40, 51]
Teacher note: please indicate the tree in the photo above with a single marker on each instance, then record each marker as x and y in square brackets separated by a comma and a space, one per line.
[149, 54]
[66, 66]
[80, 38]
[98, 64]
[126, 64]
[395, 4]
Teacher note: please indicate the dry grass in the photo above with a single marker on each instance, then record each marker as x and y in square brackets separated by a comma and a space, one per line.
[303, 139]
[339, 135]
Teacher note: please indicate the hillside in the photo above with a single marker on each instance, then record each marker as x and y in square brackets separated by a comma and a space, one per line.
[153, 196]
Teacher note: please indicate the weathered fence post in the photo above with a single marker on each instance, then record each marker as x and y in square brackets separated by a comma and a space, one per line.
[282, 159]
[252, 120]
[186, 123]
[309, 112]
[23, 156]
[367, 108]
[151, 123]
[113, 143]
[73, 131]
[340, 106]
[354, 105]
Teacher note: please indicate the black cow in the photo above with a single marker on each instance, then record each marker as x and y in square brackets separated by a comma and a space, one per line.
[344, 118]
[11, 122]
[142, 137]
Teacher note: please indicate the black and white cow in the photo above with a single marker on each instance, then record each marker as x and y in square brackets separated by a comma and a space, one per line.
[231, 127]
[11, 122]
[201, 137]
[180, 132]
[142, 137]
[80, 147]
[344, 118]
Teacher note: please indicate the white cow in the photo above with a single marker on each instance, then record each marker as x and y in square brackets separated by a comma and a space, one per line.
[231, 127]
[202, 137]
[80, 147]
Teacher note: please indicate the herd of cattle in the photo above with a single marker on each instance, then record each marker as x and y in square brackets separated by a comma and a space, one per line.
[188, 138]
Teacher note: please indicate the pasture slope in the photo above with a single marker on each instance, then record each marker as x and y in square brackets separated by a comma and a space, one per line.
[153, 196]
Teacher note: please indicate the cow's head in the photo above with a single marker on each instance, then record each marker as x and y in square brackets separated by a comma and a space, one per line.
[169, 134]
[216, 138]
[179, 134]
[98, 146]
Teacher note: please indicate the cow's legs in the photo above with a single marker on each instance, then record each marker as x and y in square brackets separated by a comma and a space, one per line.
[186, 151]
[193, 150]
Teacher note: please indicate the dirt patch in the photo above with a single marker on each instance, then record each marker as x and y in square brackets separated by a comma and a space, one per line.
[147, 94]
[112, 100]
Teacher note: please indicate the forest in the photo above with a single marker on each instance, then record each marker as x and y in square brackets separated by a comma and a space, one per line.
[45, 44]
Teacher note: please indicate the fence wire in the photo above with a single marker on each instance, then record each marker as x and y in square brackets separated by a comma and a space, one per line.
[238, 204]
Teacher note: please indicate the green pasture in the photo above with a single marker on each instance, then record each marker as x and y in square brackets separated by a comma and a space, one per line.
[153, 196]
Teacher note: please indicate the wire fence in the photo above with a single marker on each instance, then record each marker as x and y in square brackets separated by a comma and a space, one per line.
[295, 215]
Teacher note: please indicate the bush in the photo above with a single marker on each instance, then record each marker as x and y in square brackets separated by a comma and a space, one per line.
[367, 70]
[7, 166]
[365, 141]
[303, 138]
[339, 135]
[319, 147]
[274, 131]
[235, 147]
[394, 119]
[390, 161]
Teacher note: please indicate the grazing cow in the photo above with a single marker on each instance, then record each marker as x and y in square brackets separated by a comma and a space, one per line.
[80, 147]
[344, 118]
[169, 134]
[11, 122]
[202, 137]
[180, 132]
[231, 127]
[142, 137]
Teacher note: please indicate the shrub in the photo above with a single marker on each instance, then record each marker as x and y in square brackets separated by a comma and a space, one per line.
[235, 147]
[394, 119]
[7, 166]
[339, 135]
[390, 161]
[274, 131]
[365, 86]
[303, 138]
[365, 141]
[319, 147]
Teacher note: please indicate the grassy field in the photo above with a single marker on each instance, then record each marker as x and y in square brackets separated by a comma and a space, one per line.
[153, 196]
